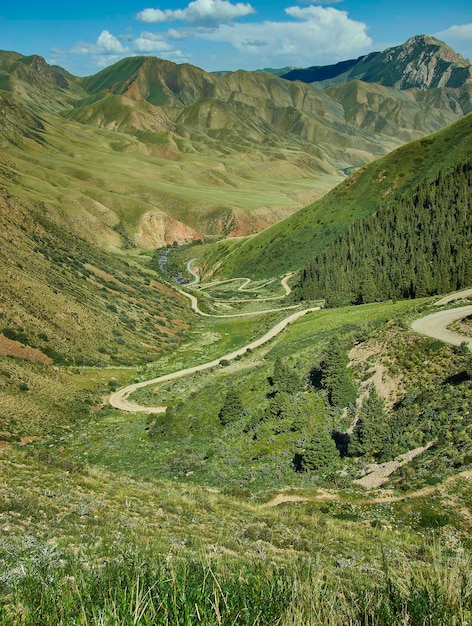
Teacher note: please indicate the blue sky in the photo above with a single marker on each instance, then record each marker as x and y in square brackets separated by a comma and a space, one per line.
[86, 36]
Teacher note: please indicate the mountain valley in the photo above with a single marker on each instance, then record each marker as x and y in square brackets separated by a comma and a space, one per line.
[161, 225]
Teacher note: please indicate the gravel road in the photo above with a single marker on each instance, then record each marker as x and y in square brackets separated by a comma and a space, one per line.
[119, 399]
[435, 325]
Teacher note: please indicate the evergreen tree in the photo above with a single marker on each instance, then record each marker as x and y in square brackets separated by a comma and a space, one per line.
[318, 452]
[335, 376]
[280, 406]
[284, 378]
[232, 408]
[372, 433]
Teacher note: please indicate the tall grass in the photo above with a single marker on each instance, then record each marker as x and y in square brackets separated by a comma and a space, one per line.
[434, 591]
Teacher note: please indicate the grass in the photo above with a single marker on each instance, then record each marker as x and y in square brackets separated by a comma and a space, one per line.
[111, 185]
[289, 244]
[102, 525]
[137, 587]
[191, 444]
[85, 289]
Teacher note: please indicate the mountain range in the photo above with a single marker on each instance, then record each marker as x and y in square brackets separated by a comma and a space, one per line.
[147, 152]
[256, 495]
[423, 62]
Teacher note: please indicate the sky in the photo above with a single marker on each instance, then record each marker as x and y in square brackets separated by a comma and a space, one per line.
[84, 37]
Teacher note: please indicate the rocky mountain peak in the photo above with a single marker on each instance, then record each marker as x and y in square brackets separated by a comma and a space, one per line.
[422, 62]
[425, 62]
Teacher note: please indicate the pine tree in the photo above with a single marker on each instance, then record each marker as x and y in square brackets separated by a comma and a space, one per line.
[319, 452]
[232, 408]
[371, 434]
[335, 376]
[284, 378]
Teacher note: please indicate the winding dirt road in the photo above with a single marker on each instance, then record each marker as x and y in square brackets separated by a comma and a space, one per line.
[435, 325]
[119, 399]
[242, 288]
[465, 293]
[196, 277]
[196, 308]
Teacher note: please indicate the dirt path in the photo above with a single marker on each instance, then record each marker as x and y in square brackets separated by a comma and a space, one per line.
[119, 399]
[435, 325]
[325, 496]
[196, 277]
[196, 308]
[454, 296]
[242, 288]
[379, 473]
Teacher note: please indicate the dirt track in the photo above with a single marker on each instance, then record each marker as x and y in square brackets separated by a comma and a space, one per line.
[119, 399]
[435, 325]
[466, 293]
[323, 495]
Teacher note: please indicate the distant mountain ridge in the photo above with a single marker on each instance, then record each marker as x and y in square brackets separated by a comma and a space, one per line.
[210, 155]
[422, 62]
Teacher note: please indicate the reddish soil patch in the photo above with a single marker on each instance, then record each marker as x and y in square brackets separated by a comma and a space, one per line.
[108, 277]
[167, 290]
[8, 347]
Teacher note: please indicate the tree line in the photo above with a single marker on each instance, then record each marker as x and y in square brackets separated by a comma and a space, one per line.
[415, 245]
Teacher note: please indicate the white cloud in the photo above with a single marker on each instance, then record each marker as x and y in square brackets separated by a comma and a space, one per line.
[109, 49]
[199, 13]
[154, 16]
[109, 44]
[149, 42]
[316, 35]
[463, 32]
[459, 38]
[106, 44]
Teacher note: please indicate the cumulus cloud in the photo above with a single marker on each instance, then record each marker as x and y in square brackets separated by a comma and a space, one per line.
[108, 49]
[463, 32]
[459, 38]
[149, 42]
[199, 13]
[105, 44]
[108, 43]
[315, 35]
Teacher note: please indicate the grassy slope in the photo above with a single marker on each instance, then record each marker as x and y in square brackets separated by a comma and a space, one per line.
[290, 243]
[111, 177]
[98, 508]
[216, 155]
[102, 505]
[65, 302]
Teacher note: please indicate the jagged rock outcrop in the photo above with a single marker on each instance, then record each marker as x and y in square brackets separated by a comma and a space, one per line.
[422, 62]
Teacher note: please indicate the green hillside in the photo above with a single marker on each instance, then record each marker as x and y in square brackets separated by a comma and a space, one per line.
[294, 241]
[321, 477]
[168, 152]
[182, 510]
[416, 244]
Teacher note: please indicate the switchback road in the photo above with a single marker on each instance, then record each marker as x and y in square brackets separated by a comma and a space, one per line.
[119, 399]
[435, 325]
